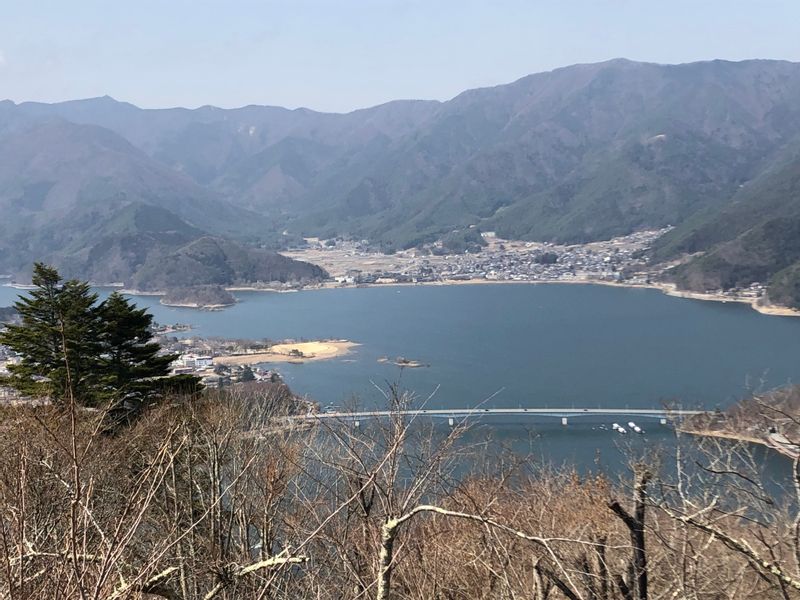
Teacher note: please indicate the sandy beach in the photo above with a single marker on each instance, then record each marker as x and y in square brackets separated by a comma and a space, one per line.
[311, 351]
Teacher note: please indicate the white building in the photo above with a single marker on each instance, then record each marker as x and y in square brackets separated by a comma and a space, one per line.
[195, 361]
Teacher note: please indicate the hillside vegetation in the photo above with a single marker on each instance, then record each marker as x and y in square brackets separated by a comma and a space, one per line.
[218, 496]
[582, 152]
[122, 481]
[576, 154]
[754, 238]
[83, 198]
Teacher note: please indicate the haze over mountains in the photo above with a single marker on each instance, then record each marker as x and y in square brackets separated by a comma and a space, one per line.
[580, 153]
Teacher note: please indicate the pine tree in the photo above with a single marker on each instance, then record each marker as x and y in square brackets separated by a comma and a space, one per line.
[130, 363]
[57, 339]
[104, 355]
[247, 374]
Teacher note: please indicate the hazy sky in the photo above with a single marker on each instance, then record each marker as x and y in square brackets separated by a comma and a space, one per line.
[343, 54]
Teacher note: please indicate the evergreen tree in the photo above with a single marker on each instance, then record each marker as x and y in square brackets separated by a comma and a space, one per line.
[57, 339]
[247, 374]
[130, 363]
[103, 354]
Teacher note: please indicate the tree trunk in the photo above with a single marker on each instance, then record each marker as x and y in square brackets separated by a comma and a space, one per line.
[385, 559]
[637, 584]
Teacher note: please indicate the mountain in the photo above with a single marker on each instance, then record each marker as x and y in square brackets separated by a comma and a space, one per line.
[55, 168]
[150, 248]
[85, 199]
[576, 154]
[216, 261]
[754, 237]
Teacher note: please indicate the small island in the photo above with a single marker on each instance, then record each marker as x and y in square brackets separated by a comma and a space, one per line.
[402, 361]
[209, 297]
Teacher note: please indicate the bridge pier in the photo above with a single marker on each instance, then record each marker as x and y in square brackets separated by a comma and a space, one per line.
[564, 421]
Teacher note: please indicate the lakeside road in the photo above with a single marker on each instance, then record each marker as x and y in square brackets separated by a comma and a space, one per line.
[305, 351]
[784, 448]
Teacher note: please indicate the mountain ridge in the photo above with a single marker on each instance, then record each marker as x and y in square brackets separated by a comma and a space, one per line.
[574, 154]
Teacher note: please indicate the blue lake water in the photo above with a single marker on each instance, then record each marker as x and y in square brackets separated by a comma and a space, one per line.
[518, 345]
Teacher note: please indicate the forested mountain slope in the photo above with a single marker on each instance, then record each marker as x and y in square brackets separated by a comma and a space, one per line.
[83, 198]
[579, 153]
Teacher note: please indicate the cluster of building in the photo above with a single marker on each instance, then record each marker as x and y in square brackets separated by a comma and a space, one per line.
[752, 292]
[196, 356]
[7, 357]
[616, 260]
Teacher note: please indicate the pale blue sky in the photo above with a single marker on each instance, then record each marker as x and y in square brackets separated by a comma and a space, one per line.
[338, 55]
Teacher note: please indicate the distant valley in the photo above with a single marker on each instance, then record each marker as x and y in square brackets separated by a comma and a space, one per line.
[111, 192]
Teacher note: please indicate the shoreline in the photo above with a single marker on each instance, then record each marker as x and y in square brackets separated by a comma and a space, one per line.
[196, 306]
[668, 289]
[282, 353]
[740, 437]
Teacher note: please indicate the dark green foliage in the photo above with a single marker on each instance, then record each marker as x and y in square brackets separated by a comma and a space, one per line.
[58, 339]
[754, 238]
[752, 257]
[99, 354]
[577, 154]
[546, 258]
[465, 240]
[129, 359]
[247, 374]
[774, 194]
[105, 216]
[214, 261]
[784, 287]
[150, 248]
[177, 385]
[199, 295]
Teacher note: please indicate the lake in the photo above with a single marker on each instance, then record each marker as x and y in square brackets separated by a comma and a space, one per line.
[518, 345]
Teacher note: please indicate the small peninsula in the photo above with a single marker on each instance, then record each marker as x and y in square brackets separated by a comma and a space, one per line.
[291, 352]
[199, 296]
[764, 419]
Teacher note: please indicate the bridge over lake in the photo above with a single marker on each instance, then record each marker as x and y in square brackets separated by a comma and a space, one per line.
[453, 414]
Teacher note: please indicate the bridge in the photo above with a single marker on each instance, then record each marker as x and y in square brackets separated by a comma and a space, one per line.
[453, 414]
